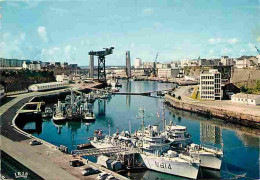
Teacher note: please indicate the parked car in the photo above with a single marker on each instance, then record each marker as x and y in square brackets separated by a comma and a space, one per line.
[103, 176]
[76, 163]
[111, 178]
[35, 142]
[89, 171]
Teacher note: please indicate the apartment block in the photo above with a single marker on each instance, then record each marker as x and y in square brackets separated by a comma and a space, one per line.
[210, 85]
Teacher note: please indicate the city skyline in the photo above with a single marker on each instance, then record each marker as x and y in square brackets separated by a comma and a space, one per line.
[67, 31]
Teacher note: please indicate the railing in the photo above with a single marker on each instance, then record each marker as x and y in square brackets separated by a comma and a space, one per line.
[16, 92]
[94, 151]
[211, 147]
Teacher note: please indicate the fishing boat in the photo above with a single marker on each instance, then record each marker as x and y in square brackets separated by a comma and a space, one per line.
[59, 117]
[47, 112]
[88, 114]
[58, 114]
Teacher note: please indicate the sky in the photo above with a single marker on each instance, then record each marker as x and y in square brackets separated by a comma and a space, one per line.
[66, 31]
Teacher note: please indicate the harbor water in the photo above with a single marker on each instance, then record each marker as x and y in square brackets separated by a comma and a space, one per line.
[241, 144]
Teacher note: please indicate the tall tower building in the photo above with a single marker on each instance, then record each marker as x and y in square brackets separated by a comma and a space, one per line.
[138, 63]
[210, 84]
[128, 64]
[91, 66]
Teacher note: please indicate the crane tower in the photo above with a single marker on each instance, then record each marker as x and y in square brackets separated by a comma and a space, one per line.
[154, 65]
[101, 62]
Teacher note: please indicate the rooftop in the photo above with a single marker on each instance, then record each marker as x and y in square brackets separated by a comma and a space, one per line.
[209, 72]
[249, 96]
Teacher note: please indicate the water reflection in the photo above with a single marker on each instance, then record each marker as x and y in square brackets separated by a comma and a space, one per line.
[210, 134]
[101, 107]
[179, 119]
[59, 125]
[35, 127]
[88, 124]
[153, 175]
[248, 140]
[128, 89]
[74, 126]
[31, 124]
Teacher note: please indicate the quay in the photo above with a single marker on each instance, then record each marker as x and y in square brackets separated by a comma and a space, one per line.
[45, 160]
[148, 93]
[246, 115]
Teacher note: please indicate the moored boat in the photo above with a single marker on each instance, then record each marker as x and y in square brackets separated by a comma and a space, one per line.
[47, 112]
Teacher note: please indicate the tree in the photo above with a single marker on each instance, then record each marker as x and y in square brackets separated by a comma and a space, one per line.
[243, 88]
[173, 95]
[179, 97]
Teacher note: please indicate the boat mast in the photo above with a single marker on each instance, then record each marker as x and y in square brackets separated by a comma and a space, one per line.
[163, 117]
[142, 115]
[108, 128]
[129, 126]
[71, 97]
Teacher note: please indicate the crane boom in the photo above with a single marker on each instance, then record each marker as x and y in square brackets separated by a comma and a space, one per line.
[156, 58]
[258, 50]
[154, 65]
[102, 62]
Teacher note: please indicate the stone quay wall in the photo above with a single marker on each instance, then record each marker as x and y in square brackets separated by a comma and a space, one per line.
[226, 115]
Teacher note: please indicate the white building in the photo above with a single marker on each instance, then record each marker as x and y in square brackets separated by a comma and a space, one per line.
[250, 99]
[258, 59]
[139, 72]
[138, 63]
[61, 78]
[226, 61]
[210, 85]
[148, 65]
[184, 62]
[243, 62]
[175, 64]
[165, 73]
[35, 65]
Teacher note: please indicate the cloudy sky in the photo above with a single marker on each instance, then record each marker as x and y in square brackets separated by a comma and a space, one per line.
[67, 30]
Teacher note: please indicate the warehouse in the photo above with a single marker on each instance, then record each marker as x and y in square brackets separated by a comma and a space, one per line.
[47, 86]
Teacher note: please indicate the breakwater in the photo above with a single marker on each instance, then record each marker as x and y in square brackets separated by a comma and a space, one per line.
[227, 115]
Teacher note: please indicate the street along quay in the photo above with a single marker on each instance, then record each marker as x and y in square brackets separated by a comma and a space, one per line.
[44, 160]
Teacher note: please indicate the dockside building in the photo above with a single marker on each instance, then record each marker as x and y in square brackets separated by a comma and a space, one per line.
[210, 85]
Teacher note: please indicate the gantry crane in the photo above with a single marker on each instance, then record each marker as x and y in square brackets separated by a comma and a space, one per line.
[154, 65]
[102, 62]
[258, 50]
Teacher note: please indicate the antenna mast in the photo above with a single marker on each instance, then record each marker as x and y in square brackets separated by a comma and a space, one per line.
[163, 117]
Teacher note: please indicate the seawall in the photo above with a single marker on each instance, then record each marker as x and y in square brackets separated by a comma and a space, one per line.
[227, 115]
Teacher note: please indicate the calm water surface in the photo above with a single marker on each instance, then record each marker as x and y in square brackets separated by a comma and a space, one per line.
[241, 145]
